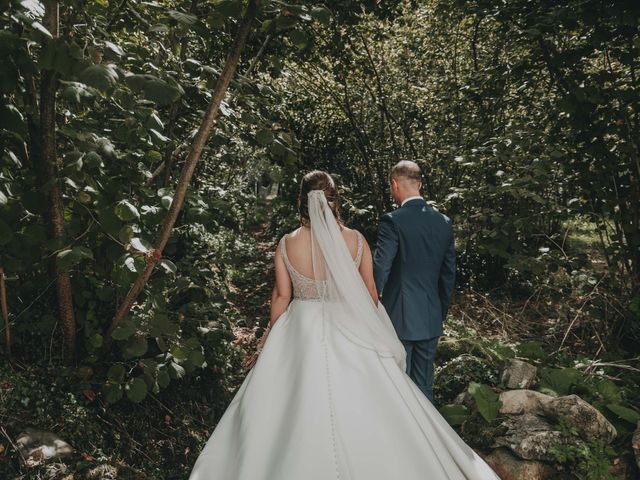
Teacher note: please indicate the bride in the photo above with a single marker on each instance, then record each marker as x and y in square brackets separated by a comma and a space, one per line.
[328, 397]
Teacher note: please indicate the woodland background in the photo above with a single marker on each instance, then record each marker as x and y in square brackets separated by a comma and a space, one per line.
[150, 154]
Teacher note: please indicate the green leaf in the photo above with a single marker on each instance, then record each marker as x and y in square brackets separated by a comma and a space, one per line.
[83, 252]
[157, 138]
[124, 331]
[135, 347]
[163, 377]
[609, 391]
[631, 416]
[162, 325]
[532, 350]
[114, 48]
[487, 401]
[178, 353]
[136, 389]
[321, 14]
[168, 266]
[454, 414]
[92, 160]
[299, 39]
[112, 393]
[11, 119]
[183, 18]
[115, 374]
[153, 121]
[154, 88]
[96, 340]
[196, 357]
[141, 245]
[176, 371]
[166, 201]
[228, 8]
[76, 91]
[285, 22]
[70, 257]
[109, 221]
[558, 381]
[102, 77]
[126, 211]
[264, 137]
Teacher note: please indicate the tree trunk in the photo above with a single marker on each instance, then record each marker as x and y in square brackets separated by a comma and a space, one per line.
[189, 166]
[45, 159]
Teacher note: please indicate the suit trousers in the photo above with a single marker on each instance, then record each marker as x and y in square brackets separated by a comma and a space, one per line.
[420, 357]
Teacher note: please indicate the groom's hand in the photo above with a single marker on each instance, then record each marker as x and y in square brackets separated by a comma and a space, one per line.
[386, 250]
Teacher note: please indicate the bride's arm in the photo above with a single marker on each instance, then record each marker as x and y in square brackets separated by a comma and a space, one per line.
[366, 272]
[281, 295]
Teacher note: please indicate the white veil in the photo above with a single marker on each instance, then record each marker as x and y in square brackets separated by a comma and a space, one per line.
[345, 298]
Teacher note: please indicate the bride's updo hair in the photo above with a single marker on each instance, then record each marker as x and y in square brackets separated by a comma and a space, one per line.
[318, 180]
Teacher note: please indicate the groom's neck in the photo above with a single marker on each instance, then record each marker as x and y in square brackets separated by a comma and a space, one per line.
[408, 194]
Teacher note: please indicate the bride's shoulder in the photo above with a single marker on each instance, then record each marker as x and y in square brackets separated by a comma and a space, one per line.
[351, 231]
[290, 235]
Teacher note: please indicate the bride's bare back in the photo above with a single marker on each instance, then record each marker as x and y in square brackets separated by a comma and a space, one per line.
[297, 249]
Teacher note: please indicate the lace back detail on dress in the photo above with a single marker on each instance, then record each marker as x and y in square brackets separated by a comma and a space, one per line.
[305, 288]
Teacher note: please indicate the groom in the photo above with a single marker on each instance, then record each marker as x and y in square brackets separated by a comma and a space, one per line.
[414, 270]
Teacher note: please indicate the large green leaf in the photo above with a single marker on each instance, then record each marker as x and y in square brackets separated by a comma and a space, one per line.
[228, 8]
[11, 119]
[264, 137]
[558, 381]
[196, 357]
[176, 371]
[628, 414]
[487, 400]
[136, 389]
[115, 374]
[102, 77]
[609, 391]
[454, 414]
[184, 18]
[76, 91]
[126, 211]
[321, 14]
[154, 88]
[162, 325]
[112, 393]
[135, 346]
[124, 331]
[70, 257]
[163, 377]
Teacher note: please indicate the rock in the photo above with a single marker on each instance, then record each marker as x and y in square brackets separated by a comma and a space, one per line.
[519, 374]
[635, 443]
[529, 436]
[466, 399]
[584, 417]
[516, 402]
[37, 446]
[509, 467]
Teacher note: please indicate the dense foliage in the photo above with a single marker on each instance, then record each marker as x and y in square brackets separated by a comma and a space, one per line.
[525, 116]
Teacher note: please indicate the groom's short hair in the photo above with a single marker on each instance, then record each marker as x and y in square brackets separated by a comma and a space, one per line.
[406, 170]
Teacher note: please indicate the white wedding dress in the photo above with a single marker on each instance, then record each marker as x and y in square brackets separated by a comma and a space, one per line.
[328, 398]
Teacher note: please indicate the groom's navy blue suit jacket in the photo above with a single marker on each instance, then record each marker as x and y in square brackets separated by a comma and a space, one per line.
[414, 269]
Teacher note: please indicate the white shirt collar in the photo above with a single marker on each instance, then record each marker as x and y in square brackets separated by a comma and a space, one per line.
[411, 198]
